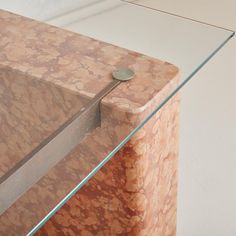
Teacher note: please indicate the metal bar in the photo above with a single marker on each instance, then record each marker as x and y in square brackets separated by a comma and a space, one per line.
[35, 165]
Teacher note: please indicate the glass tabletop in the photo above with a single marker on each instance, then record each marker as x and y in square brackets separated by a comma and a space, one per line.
[57, 122]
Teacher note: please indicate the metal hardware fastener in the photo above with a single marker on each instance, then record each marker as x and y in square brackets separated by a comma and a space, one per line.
[123, 74]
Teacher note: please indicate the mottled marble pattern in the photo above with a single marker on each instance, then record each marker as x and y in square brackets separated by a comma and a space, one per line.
[43, 196]
[134, 193]
[30, 110]
[78, 62]
[81, 65]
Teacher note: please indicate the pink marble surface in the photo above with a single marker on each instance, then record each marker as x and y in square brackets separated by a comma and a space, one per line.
[30, 110]
[79, 63]
[135, 193]
[82, 66]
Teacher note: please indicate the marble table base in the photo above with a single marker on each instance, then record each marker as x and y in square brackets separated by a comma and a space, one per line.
[135, 192]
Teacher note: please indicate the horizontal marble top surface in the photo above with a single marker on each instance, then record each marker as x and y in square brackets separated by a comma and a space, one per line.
[79, 63]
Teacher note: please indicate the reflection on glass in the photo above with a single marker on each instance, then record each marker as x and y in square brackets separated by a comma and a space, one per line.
[187, 44]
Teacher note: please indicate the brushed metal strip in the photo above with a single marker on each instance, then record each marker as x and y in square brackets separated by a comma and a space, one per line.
[36, 164]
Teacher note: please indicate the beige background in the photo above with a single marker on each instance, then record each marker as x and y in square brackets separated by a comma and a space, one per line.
[207, 187]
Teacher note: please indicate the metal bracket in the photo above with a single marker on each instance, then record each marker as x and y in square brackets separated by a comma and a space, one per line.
[37, 163]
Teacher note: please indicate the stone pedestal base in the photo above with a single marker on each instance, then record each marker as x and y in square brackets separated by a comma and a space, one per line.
[135, 192]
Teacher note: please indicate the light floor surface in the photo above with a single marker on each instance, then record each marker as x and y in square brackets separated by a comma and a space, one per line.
[207, 167]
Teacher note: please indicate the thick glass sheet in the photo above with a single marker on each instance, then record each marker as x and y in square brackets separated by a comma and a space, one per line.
[185, 43]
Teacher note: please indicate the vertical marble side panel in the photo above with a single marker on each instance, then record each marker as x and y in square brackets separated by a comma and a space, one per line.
[135, 192]
[30, 110]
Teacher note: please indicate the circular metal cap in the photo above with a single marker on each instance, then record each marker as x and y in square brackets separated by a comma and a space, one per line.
[123, 74]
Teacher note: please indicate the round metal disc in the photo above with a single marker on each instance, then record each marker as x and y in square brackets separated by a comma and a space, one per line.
[123, 74]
